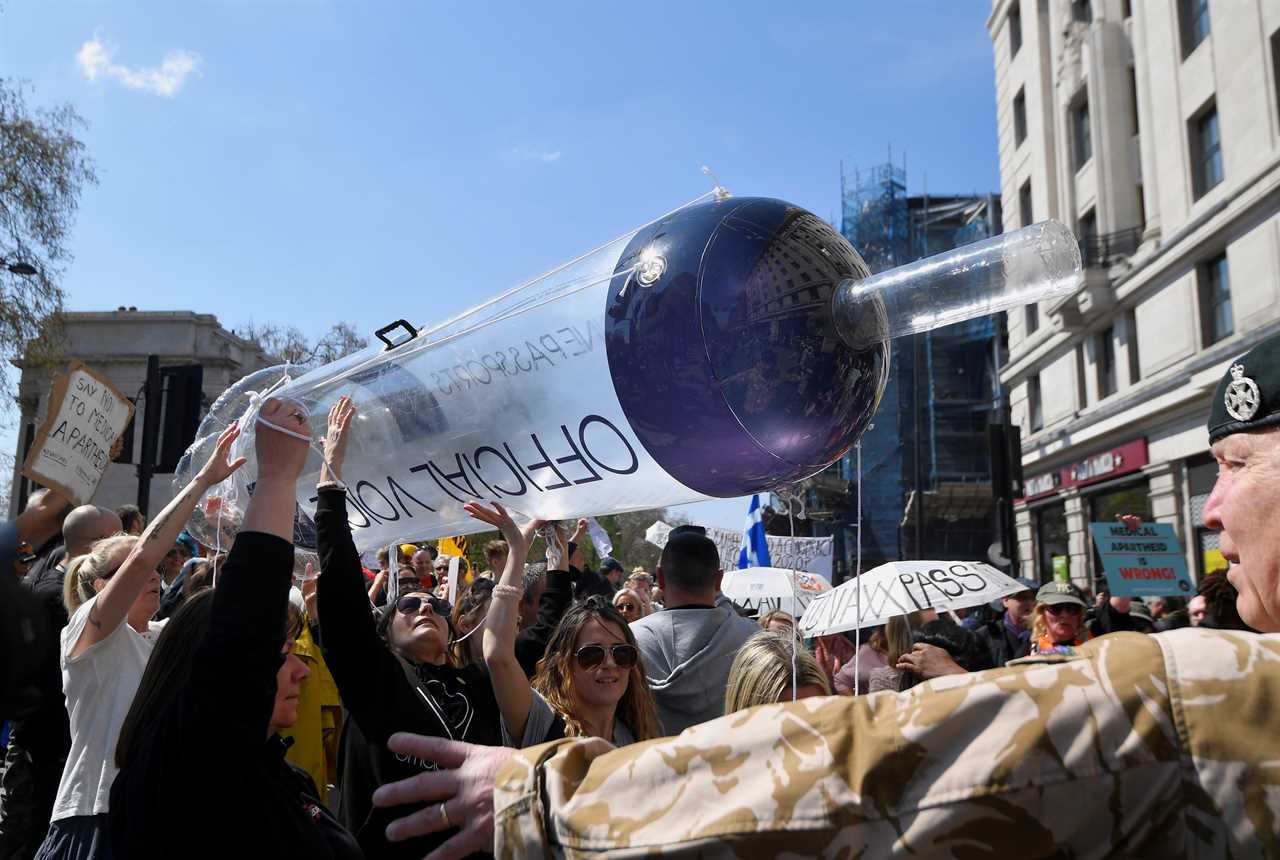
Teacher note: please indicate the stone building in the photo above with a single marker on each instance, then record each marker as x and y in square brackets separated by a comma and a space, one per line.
[116, 344]
[1151, 128]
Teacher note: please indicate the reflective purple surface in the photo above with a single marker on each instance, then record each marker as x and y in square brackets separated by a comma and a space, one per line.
[729, 367]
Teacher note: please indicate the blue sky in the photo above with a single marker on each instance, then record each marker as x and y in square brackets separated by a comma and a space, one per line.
[304, 162]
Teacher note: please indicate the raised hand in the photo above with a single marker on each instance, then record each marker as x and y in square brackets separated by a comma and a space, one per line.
[281, 456]
[336, 435]
[219, 468]
[460, 793]
[498, 517]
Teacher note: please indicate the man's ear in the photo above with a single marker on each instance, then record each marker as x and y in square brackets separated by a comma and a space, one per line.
[662, 580]
[719, 577]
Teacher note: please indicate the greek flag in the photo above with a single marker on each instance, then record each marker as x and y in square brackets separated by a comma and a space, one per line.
[755, 549]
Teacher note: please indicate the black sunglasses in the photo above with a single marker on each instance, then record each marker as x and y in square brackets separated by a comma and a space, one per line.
[592, 656]
[1063, 608]
[412, 603]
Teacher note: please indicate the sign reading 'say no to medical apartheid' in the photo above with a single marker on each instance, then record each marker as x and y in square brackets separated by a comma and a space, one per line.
[1147, 560]
[73, 448]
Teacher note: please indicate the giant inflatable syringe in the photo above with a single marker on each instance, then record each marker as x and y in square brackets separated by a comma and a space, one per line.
[729, 347]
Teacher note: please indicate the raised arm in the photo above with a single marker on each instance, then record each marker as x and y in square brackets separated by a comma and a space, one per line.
[363, 668]
[234, 675]
[112, 605]
[510, 684]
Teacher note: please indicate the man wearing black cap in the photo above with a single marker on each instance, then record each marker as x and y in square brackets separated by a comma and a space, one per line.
[1245, 440]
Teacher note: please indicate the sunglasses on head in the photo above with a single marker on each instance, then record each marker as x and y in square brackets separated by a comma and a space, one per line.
[1063, 608]
[592, 656]
[412, 603]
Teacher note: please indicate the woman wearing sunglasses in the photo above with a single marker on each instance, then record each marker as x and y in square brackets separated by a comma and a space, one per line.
[589, 683]
[392, 672]
[1059, 619]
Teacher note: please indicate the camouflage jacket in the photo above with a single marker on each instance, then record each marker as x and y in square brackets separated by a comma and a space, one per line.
[1138, 746]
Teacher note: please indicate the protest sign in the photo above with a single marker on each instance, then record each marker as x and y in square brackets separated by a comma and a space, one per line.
[72, 449]
[801, 553]
[902, 587]
[764, 589]
[1146, 560]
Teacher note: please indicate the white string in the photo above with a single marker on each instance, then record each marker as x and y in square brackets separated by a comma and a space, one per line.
[795, 603]
[857, 583]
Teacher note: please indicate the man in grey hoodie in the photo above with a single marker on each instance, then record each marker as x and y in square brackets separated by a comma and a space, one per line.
[689, 647]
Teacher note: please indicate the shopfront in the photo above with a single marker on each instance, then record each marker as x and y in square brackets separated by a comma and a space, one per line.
[1062, 502]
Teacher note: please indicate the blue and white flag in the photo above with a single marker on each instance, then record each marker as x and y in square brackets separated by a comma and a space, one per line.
[755, 549]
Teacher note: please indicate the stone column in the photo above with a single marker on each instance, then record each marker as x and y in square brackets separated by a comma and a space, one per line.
[1078, 542]
[1028, 564]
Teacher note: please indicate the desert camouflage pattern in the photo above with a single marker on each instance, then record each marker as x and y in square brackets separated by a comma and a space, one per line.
[1136, 746]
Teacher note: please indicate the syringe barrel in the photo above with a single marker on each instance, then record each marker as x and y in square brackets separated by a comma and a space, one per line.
[1006, 271]
[693, 358]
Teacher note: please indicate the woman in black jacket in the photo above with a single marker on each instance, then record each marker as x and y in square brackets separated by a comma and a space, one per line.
[202, 768]
[407, 683]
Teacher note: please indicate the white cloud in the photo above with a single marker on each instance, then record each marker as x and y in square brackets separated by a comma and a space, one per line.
[165, 80]
[533, 153]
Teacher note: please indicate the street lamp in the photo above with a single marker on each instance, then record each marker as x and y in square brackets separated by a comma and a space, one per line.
[18, 268]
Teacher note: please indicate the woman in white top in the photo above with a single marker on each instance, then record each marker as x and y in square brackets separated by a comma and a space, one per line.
[111, 593]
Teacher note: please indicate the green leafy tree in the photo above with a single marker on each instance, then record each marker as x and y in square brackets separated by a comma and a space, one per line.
[44, 169]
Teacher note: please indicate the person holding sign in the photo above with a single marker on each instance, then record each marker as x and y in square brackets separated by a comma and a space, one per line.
[112, 592]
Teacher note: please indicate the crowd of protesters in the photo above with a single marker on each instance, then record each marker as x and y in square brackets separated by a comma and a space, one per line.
[175, 702]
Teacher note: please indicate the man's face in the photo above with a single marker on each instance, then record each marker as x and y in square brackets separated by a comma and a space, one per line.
[614, 575]
[1020, 606]
[421, 562]
[1196, 609]
[1241, 506]
[1157, 607]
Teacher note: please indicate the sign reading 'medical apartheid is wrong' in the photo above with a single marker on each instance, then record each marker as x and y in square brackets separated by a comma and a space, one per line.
[1147, 560]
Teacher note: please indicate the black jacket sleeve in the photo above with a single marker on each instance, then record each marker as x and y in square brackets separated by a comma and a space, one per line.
[371, 681]
[233, 681]
[531, 643]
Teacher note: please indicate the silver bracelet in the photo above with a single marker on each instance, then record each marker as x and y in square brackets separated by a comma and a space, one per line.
[506, 591]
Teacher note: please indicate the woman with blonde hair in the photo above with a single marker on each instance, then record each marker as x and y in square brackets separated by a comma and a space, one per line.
[111, 593]
[590, 681]
[630, 604]
[762, 673]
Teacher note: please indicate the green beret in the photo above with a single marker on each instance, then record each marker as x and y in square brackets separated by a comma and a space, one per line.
[1248, 396]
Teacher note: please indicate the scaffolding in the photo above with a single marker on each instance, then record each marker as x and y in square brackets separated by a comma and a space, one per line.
[927, 448]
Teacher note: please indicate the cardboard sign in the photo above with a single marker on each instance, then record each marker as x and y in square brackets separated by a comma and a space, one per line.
[1144, 561]
[72, 450]
[812, 555]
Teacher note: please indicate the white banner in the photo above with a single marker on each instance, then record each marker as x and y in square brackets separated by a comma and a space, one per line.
[903, 587]
[801, 553]
[73, 448]
[599, 538]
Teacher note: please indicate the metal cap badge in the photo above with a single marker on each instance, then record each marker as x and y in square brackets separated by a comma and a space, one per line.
[1241, 397]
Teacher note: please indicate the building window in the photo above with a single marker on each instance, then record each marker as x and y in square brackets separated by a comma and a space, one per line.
[1275, 61]
[1015, 29]
[1024, 205]
[1020, 117]
[1142, 207]
[1082, 389]
[1131, 340]
[1126, 9]
[1052, 537]
[1033, 319]
[1035, 411]
[1206, 151]
[1081, 138]
[1082, 11]
[1193, 20]
[1215, 300]
[1106, 362]
[1091, 251]
[1133, 101]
